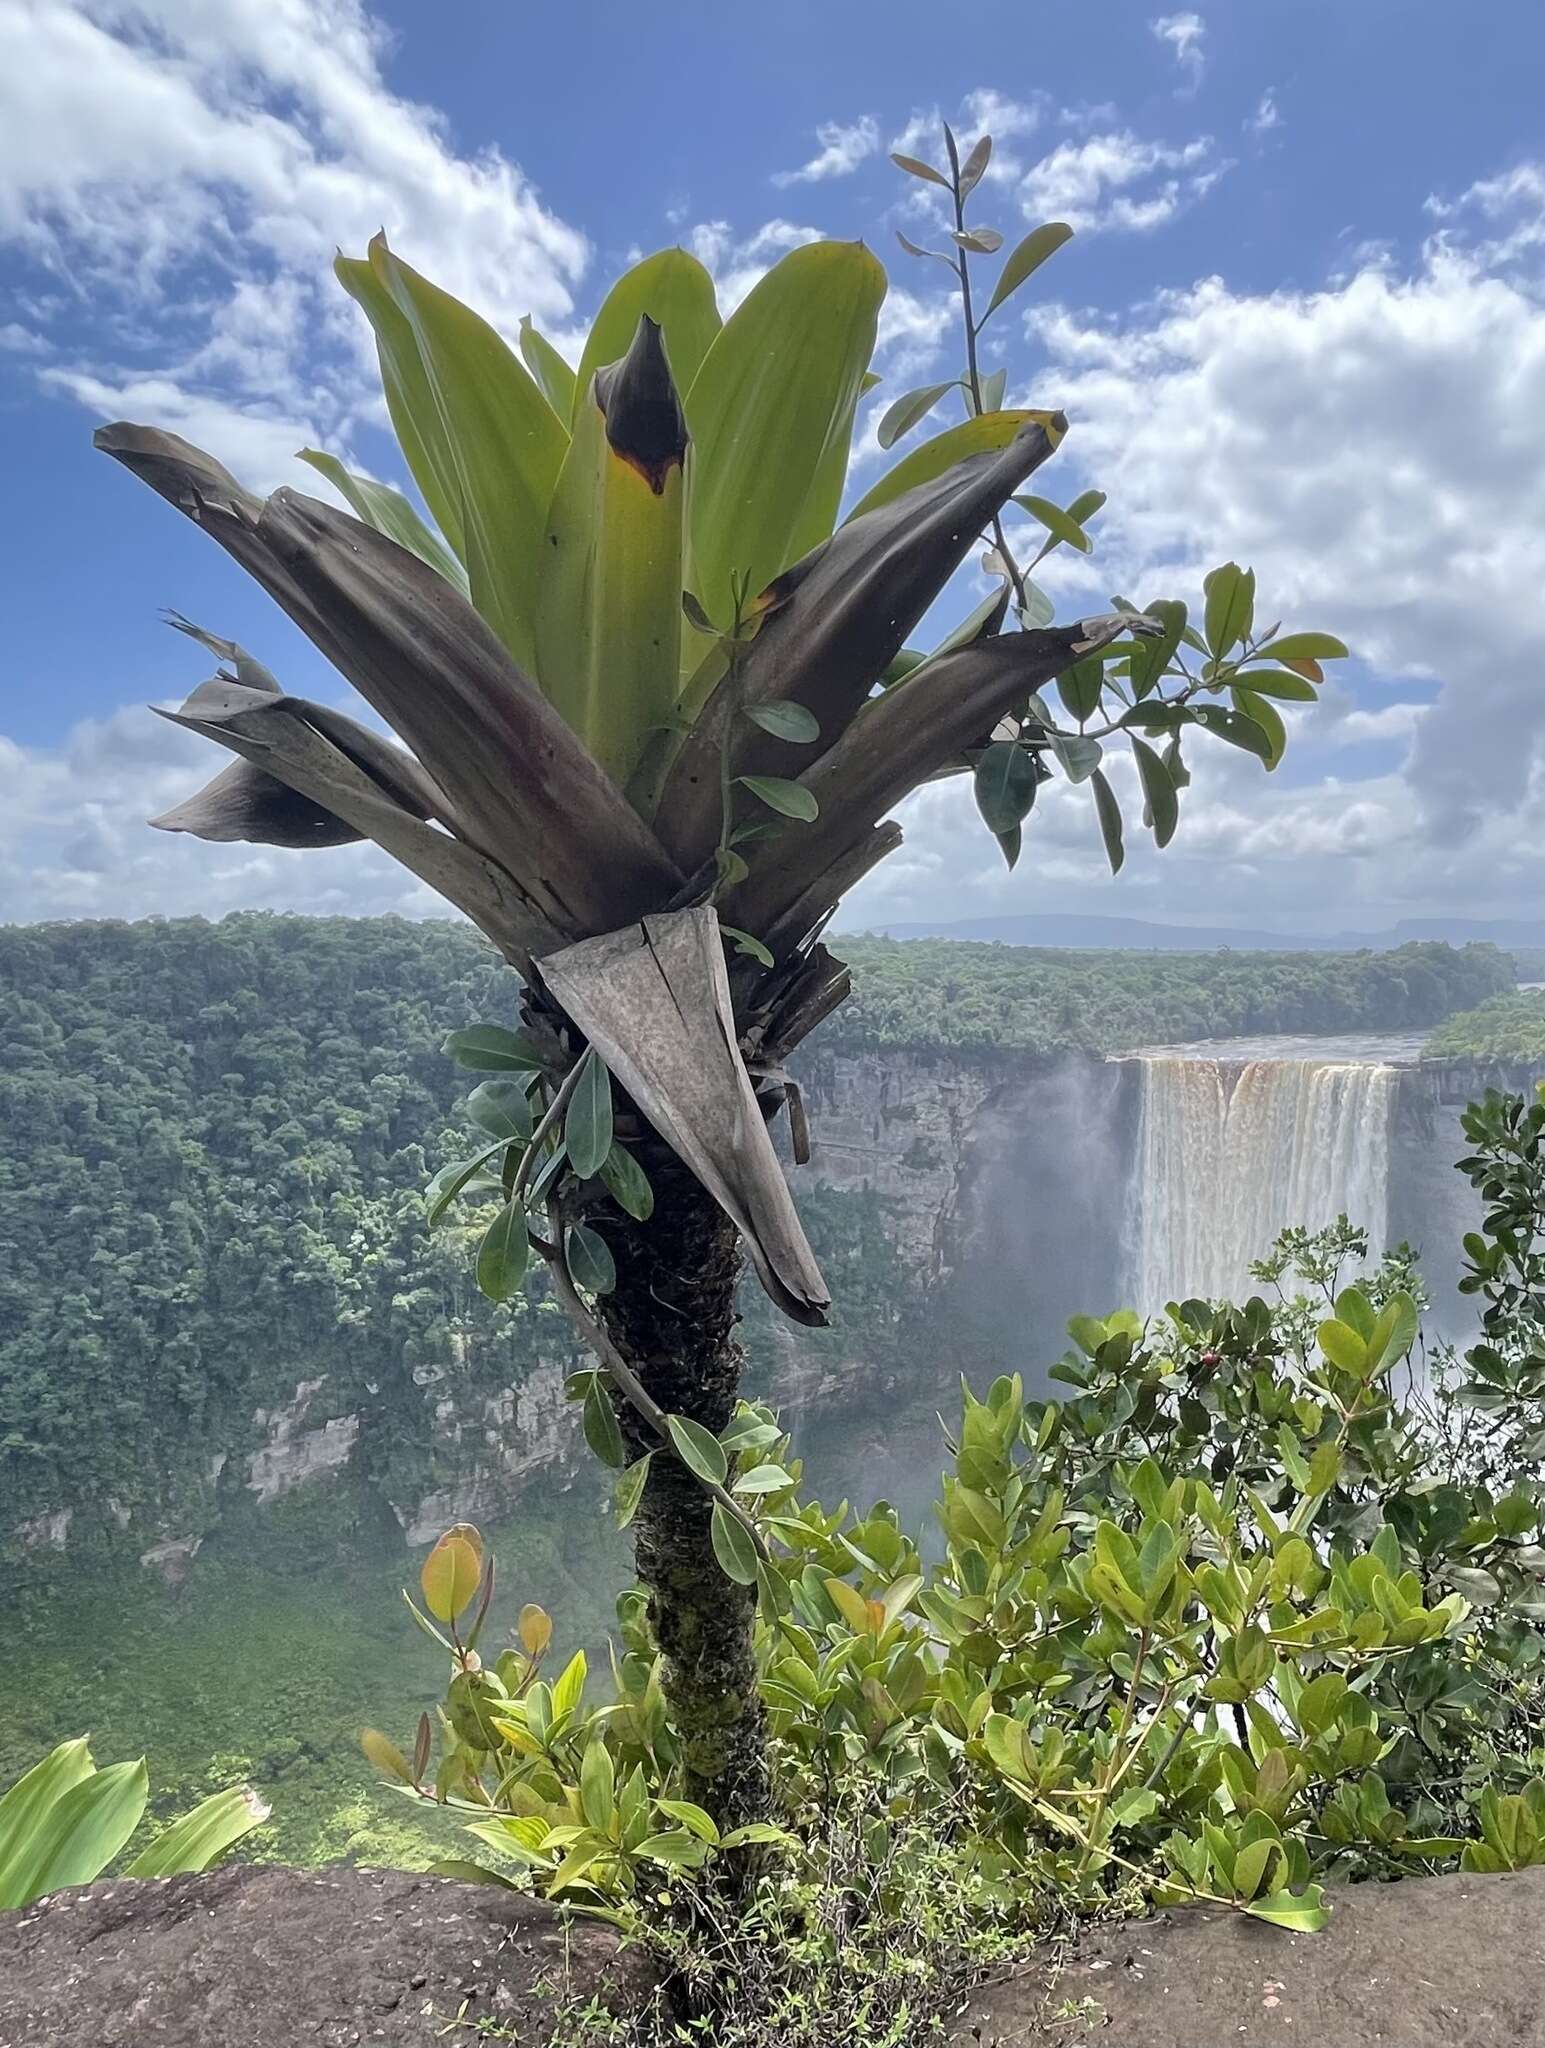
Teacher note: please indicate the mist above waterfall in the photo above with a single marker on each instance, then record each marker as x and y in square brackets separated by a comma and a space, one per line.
[1230, 1152]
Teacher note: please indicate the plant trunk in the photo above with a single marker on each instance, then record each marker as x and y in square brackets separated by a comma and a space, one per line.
[672, 1316]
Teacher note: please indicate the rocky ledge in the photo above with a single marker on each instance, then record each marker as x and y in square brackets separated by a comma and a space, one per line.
[270, 1958]
[1436, 1962]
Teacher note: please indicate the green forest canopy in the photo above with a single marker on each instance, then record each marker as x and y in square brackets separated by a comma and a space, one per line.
[217, 1136]
[1506, 1029]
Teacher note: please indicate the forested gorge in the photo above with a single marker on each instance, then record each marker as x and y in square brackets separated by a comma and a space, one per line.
[217, 1138]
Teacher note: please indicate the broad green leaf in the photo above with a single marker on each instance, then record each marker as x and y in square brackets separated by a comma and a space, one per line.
[674, 290]
[504, 1253]
[1153, 657]
[732, 1546]
[201, 1837]
[1254, 707]
[630, 1489]
[603, 1432]
[1026, 257]
[1393, 1333]
[24, 1806]
[905, 412]
[410, 400]
[1271, 682]
[746, 944]
[980, 241]
[776, 391]
[587, 1124]
[1080, 687]
[608, 614]
[80, 1832]
[1005, 781]
[1343, 1347]
[384, 1754]
[490, 1049]
[455, 1179]
[569, 1689]
[502, 1108]
[692, 1818]
[555, 377]
[988, 432]
[758, 1831]
[1061, 525]
[627, 1183]
[785, 721]
[1236, 728]
[1108, 811]
[504, 442]
[1230, 607]
[598, 1785]
[991, 389]
[589, 1260]
[534, 1626]
[1303, 1912]
[1158, 791]
[792, 799]
[698, 1449]
[451, 1574]
[1306, 647]
[389, 512]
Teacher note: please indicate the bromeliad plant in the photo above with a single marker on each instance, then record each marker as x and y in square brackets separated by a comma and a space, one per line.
[661, 704]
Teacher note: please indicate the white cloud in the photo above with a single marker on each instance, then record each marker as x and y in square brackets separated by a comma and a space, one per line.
[1376, 450]
[181, 174]
[737, 262]
[1117, 182]
[844, 146]
[74, 842]
[1268, 114]
[1185, 34]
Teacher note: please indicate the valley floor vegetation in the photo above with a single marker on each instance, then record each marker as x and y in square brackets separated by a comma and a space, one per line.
[1252, 1608]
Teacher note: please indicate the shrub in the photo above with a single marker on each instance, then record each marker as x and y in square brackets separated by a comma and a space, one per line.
[1252, 1604]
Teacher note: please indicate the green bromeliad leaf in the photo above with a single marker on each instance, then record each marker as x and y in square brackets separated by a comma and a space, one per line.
[609, 618]
[489, 441]
[389, 512]
[676, 292]
[775, 395]
[989, 431]
[555, 376]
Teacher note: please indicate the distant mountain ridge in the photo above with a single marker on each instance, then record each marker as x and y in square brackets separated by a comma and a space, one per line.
[1138, 934]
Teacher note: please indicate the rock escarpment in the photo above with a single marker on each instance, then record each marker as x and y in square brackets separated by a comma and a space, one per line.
[272, 1958]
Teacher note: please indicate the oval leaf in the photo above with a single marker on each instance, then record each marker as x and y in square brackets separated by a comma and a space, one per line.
[587, 1124]
[502, 1108]
[909, 409]
[1108, 811]
[1158, 791]
[1026, 257]
[786, 721]
[449, 1577]
[732, 1546]
[791, 799]
[589, 1259]
[627, 1183]
[1006, 779]
[490, 1049]
[698, 1449]
[603, 1432]
[503, 1255]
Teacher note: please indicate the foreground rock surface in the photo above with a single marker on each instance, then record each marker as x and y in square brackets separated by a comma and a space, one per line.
[269, 1958]
[1444, 1962]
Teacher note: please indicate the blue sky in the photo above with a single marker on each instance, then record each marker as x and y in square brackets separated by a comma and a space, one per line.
[1301, 323]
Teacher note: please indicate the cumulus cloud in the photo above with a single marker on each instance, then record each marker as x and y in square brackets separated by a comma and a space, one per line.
[844, 146]
[1185, 34]
[1117, 182]
[74, 842]
[172, 154]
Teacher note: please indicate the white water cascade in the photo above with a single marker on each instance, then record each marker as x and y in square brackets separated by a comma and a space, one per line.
[1231, 1152]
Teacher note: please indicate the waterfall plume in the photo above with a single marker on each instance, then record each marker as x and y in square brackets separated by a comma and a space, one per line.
[1231, 1152]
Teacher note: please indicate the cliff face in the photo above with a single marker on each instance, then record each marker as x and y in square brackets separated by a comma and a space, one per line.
[948, 1197]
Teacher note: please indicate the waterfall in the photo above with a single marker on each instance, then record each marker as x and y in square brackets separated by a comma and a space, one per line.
[1229, 1153]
